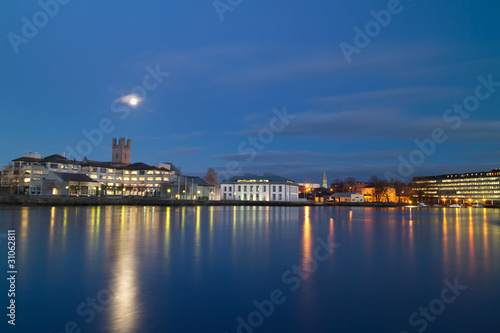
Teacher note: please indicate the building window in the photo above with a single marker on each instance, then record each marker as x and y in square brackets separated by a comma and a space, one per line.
[225, 189]
[239, 188]
[53, 165]
[251, 188]
[257, 188]
[274, 188]
[258, 198]
[281, 197]
[93, 169]
[280, 188]
[274, 196]
[245, 188]
[103, 170]
[141, 172]
[230, 189]
[264, 189]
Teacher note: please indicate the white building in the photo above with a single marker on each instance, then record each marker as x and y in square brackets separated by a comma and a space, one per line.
[347, 197]
[268, 187]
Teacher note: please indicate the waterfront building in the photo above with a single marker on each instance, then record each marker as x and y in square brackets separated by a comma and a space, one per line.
[189, 188]
[268, 187]
[342, 187]
[347, 197]
[31, 173]
[472, 187]
[375, 193]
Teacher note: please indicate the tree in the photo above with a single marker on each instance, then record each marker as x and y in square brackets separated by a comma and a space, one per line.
[380, 187]
[399, 187]
[350, 181]
[211, 177]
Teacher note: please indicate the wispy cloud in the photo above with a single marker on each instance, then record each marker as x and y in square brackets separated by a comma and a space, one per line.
[182, 151]
[187, 136]
[399, 96]
[281, 157]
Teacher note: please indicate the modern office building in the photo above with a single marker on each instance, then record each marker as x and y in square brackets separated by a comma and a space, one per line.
[473, 187]
[268, 187]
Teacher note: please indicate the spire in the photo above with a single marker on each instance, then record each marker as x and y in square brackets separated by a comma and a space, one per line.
[325, 182]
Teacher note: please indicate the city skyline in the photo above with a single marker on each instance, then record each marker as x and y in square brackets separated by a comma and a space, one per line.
[359, 98]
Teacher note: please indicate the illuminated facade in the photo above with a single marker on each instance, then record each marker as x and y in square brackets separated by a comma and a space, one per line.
[471, 188]
[268, 187]
[31, 173]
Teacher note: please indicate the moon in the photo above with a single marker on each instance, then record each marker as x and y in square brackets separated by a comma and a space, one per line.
[133, 101]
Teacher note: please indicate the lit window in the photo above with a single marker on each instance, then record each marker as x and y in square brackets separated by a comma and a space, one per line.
[150, 172]
[93, 176]
[157, 178]
[134, 172]
[150, 178]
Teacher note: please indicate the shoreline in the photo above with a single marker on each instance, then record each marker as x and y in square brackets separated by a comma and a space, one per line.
[25, 200]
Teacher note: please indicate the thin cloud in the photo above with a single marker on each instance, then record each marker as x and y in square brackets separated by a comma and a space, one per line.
[183, 151]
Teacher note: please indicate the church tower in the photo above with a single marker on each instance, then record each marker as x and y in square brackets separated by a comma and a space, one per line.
[121, 152]
[325, 182]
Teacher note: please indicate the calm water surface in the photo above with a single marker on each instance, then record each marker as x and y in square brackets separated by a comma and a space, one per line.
[218, 269]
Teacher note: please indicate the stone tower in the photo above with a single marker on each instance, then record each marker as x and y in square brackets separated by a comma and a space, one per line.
[121, 152]
[325, 182]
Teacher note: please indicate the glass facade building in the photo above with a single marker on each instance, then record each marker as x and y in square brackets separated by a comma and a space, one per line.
[475, 187]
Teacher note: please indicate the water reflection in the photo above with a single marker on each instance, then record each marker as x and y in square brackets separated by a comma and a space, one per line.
[163, 261]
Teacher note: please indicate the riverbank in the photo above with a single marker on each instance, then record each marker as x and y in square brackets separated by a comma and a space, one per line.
[26, 200]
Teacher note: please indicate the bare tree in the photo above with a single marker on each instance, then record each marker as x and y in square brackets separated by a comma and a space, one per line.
[211, 177]
[350, 181]
[399, 187]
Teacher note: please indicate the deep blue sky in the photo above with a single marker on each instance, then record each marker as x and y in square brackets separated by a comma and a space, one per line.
[226, 77]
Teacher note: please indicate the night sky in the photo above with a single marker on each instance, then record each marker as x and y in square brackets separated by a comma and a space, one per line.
[231, 71]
